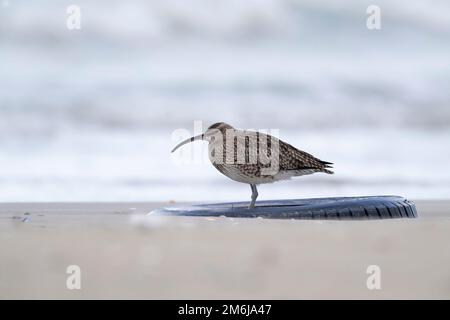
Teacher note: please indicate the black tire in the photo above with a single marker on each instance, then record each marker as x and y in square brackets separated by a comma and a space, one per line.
[344, 208]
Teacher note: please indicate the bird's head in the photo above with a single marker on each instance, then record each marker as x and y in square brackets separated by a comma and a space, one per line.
[212, 132]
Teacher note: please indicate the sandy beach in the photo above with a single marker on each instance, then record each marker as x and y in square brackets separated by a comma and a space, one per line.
[124, 253]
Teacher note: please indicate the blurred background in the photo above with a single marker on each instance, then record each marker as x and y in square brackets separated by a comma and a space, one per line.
[88, 115]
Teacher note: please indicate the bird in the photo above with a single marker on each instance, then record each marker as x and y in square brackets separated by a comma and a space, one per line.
[255, 158]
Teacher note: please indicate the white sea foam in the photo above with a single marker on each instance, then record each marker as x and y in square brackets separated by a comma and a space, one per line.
[138, 166]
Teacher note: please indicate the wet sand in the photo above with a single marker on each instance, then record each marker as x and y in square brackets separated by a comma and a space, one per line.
[123, 253]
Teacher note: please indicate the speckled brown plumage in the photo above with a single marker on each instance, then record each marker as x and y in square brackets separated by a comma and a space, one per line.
[256, 158]
[290, 158]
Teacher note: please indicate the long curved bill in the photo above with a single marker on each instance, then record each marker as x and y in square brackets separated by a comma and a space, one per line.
[199, 137]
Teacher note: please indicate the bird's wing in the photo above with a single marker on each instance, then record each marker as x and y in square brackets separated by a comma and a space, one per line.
[293, 159]
[289, 158]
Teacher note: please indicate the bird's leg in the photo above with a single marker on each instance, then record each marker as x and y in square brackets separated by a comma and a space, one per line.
[254, 196]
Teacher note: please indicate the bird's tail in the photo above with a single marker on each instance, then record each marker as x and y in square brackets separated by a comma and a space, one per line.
[326, 166]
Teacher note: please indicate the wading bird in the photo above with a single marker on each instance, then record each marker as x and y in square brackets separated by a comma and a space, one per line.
[255, 158]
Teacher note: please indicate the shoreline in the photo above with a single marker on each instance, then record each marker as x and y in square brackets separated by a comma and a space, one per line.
[123, 253]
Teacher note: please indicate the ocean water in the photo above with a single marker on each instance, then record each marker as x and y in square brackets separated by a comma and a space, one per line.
[89, 114]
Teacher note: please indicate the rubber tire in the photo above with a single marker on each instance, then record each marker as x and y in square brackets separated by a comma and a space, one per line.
[343, 208]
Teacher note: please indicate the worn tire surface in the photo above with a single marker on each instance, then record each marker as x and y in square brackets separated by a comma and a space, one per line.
[343, 208]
